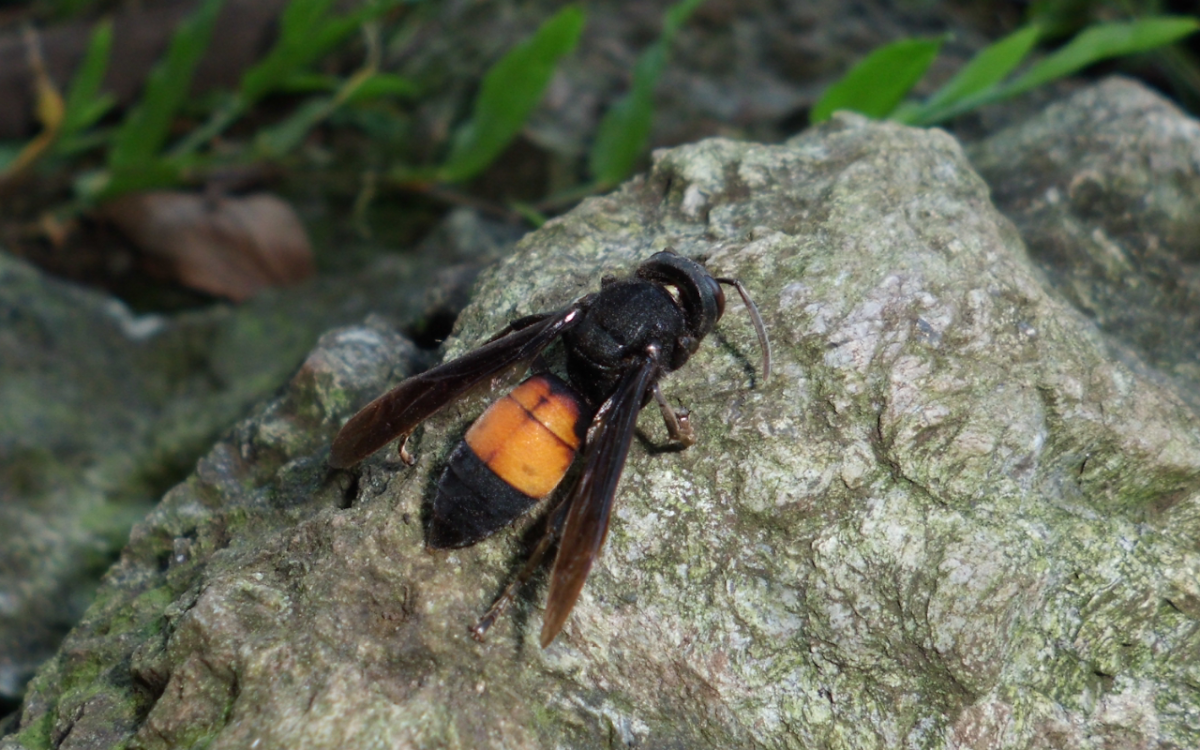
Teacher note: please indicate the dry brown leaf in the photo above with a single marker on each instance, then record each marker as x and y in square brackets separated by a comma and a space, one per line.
[228, 246]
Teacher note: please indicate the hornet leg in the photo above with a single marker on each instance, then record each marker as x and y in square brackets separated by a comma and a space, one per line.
[679, 426]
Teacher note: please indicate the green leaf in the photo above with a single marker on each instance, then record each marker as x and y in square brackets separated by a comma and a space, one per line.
[509, 92]
[378, 85]
[299, 23]
[988, 68]
[383, 85]
[1090, 46]
[84, 141]
[144, 131]
[1061, 18]
[385, 127]
[306, 33]
[622, 135]
[85, 104]
[529, 213]
[102, 184]
[675, 17]
[1103, 42]
[626, 126]
[877, 84]
[307, 82]
[287, 135]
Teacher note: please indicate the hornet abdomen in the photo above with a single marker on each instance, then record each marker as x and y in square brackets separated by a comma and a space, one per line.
[515, 454]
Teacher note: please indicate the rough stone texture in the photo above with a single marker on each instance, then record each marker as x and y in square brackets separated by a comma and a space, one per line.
[951, 519]
[102, 410]
[1105, 189]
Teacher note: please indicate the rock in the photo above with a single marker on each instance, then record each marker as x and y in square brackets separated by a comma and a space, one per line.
[950, 519]
[1105, 189]
[102, 410]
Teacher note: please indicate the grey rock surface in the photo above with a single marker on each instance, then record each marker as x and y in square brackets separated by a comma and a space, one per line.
[951, 518]
[1105, 190]
[102, 410]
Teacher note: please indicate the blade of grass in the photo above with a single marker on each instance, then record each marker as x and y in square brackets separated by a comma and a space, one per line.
[309, 82]
[1103, 42]
[530, 214]
[108, 183]
[281, 138]
[381, 85]
[508, 94]
[876, 85]
[297, 26]
[622, 135]
[144, 132]
[987, 68]
[1090, 46]
[85, 104]
[287, 135]
[626, 126]
[306, 33]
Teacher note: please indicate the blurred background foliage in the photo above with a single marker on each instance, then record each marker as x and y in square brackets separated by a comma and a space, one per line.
[341, 111]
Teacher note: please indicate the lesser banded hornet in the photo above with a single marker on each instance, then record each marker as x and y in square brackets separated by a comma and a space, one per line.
[618, 342]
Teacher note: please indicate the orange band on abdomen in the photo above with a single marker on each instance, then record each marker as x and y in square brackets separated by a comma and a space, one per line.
[529, 437]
